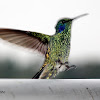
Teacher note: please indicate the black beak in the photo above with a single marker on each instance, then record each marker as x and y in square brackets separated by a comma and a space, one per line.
[64, 21]
[78, 17]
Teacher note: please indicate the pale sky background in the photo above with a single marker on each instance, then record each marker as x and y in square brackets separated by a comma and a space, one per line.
[42, 16]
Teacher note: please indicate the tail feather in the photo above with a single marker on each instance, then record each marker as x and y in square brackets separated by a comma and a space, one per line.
[48, 73]
[37, 75]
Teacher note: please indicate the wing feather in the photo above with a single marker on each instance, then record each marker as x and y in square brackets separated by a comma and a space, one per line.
[32, 40]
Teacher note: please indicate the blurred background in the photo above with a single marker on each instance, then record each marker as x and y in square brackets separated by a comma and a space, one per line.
[42, 16]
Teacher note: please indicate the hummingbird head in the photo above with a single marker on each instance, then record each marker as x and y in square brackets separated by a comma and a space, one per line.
[65, 23]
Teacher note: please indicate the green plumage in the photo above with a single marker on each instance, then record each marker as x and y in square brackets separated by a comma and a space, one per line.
[59, 48]
[56, 48]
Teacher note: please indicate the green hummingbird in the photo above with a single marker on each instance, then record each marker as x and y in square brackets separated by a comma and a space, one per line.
[56, 48]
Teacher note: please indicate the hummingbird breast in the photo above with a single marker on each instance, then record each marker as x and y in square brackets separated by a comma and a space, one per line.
[57, 56]
[60, 47]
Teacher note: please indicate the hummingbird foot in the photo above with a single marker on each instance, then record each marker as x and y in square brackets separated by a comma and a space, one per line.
[70, 67]
[66, 64]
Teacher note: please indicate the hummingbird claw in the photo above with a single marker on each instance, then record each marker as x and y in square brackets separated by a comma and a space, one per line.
[70, 67]
[73, 66]
[66, 63]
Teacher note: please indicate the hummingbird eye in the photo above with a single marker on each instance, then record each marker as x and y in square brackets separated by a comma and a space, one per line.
[63, 21]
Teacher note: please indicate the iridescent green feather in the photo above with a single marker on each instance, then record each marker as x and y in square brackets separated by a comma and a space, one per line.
[59, 49]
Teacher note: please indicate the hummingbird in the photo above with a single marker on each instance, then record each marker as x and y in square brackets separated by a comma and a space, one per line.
[55, 48]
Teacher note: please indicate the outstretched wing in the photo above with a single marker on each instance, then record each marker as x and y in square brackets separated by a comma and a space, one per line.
[32, 40]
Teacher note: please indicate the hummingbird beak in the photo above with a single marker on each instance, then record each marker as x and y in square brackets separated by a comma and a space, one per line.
[79, 16]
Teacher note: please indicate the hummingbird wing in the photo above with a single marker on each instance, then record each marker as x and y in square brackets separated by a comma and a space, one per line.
[32, 40]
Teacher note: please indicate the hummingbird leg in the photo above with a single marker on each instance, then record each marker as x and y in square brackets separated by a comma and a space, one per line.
[59, 61]
[66, 65]
[73, 66]
[70, 67]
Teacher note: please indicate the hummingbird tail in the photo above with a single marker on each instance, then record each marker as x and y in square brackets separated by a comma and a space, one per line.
[37, 75]
[48, 73]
